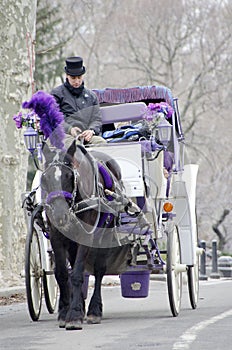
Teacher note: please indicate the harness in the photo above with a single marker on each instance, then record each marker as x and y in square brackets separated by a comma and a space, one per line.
[100, 199]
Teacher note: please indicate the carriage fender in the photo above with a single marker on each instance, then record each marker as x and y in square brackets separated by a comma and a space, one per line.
[184, 195]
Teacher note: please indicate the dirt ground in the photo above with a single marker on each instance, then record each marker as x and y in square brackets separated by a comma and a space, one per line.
[16, 298]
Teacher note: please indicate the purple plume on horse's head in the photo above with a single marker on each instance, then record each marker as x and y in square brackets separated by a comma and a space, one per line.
[51, 119]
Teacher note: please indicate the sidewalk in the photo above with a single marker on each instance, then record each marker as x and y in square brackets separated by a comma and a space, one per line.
[107, 281]
[9, 291]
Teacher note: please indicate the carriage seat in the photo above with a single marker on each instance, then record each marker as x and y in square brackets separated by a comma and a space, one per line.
[126, 120]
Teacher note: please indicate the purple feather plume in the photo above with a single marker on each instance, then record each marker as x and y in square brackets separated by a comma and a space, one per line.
[51, 119]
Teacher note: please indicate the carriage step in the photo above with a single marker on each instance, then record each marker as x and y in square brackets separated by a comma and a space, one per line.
[136, 230]
[128, 219]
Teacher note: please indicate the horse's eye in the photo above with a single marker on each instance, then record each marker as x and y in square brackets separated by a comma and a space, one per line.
[68, 175]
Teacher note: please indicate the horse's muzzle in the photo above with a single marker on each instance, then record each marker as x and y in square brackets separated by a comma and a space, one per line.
[58, 215]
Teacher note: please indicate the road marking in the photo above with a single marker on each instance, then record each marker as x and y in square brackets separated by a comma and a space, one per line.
[216, 281]
[188, 337]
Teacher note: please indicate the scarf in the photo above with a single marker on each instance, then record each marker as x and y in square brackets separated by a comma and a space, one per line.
[74, 91]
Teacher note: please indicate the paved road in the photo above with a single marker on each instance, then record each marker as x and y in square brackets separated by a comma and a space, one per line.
[131, 324]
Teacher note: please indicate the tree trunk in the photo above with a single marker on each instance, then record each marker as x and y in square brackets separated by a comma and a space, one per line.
[215, 227]
[17, 21]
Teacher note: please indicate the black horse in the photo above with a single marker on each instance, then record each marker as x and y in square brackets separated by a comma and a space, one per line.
[82, 217]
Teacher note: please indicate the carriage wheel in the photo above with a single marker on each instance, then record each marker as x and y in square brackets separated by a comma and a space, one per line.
[193, 283]
[50, 284]
[193, 275]
[174, 276]
[33, 272]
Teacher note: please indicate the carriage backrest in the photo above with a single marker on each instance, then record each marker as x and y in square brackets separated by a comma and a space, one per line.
[123, 112]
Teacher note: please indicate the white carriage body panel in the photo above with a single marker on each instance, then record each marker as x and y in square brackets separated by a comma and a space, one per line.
[154, 174]
[128, 156]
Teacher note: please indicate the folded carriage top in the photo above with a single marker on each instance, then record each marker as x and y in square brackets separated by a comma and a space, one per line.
[135, 94]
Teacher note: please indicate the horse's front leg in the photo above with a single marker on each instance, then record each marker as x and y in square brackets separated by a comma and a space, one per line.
[76, 312]
[62, 277]
[94, 314]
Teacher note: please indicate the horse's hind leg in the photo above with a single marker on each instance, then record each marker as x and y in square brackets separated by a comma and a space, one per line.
[94, 314]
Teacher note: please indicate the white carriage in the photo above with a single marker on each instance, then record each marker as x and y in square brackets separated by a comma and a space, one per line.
[166, 195]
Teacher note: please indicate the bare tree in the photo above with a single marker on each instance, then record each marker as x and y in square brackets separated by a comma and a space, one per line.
[222, 236]
[17, 29]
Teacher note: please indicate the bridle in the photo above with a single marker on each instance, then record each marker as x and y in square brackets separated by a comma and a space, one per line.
[60, 193]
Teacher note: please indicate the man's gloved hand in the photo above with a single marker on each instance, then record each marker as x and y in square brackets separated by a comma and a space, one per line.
[75, 131]
[87, 135]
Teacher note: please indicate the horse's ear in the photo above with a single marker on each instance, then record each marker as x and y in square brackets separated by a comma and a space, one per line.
[72, 149]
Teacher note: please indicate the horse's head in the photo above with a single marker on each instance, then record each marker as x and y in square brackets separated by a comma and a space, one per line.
[66, 181]
[58, 184]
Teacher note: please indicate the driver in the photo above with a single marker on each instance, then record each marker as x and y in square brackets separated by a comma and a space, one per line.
[79, 105]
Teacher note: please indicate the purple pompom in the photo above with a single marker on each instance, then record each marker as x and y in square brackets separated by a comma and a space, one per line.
[51, 119]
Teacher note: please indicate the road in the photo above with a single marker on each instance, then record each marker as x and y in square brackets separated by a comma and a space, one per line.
[130, 323]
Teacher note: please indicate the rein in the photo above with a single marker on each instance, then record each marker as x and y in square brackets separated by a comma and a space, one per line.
[83, 205]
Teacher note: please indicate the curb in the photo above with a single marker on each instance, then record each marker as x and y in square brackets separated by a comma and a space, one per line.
[107, 281]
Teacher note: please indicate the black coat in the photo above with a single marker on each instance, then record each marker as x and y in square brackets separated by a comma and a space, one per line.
[82, 111]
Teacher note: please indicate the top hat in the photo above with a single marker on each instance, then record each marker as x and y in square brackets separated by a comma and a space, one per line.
[74, 66]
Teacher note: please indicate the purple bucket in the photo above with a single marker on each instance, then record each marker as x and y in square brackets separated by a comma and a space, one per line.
[85, 285]
[135, 283]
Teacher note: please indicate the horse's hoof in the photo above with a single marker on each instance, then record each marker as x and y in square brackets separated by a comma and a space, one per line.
[62, 323]
[73, 325]
[92, 319]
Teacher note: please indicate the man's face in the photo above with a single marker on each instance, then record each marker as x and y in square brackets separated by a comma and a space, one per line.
[75, 81]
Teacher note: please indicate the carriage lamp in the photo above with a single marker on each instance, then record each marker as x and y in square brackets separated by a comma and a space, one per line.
[30, 139]
[164, 129]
